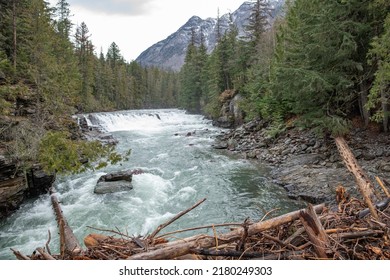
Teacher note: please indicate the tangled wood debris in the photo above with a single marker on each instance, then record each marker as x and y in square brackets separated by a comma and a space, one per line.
[352, 229]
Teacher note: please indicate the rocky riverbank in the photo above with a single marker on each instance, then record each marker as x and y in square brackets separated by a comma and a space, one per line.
[17, 185]
[307, 166]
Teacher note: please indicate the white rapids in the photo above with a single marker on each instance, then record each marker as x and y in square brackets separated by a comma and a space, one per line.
[174, 150]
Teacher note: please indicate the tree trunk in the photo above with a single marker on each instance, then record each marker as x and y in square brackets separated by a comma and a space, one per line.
[363, 182]
[363, 101]
[69, 243]
[14, 34]
[385, 110]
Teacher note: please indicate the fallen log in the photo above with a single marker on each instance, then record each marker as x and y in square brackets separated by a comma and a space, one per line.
[363, 182]
[69, 243]
[183, 247]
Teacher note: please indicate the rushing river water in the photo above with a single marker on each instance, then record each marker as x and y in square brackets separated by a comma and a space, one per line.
[179, 170]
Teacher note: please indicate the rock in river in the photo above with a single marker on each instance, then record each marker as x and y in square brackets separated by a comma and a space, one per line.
[114, 182]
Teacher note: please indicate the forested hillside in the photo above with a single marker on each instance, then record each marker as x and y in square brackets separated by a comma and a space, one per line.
[321, 63]
[50, 70]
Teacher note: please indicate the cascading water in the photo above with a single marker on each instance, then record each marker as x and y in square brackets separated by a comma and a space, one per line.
[180, 167]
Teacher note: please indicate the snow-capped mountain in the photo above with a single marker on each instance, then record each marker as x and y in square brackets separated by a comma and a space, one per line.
[170, 53]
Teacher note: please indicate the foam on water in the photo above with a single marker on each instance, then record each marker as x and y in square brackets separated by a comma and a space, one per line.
[145, 121]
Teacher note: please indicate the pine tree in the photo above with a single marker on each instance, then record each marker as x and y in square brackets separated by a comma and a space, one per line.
[85, 53]
[317, 62]
[64, 24]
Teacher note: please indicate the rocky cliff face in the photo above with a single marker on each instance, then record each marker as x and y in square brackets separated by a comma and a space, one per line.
[170, 53]
[16, 186]
[12, 187]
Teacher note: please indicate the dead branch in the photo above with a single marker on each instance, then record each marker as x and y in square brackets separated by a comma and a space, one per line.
[198, 228]
[382, 185]
[19, 255]
[358, 234]
[315, 231]
[48, 242]
[241, 244]
[162, 226]
[45, 255]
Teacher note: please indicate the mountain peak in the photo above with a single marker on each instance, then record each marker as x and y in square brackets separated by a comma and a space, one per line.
[170, 53]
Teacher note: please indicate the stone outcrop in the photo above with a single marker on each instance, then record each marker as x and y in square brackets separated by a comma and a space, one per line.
[16, 186]
[12, 187]
[92, 131]
[114, 182]
[231, 115]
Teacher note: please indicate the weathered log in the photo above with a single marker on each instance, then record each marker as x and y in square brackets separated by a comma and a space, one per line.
[69, 242]
[315, 231]
[19, 255]
[182, 247]
[358, 234]
[363, 182]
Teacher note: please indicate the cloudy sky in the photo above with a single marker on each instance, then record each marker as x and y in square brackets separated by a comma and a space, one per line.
[135, 25]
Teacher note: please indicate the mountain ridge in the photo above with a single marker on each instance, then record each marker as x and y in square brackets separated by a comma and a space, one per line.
[170, 53]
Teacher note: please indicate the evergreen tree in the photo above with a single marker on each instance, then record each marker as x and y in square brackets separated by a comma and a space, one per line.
[379, 97]
[316, 64]
[85, 53]
[64, 24]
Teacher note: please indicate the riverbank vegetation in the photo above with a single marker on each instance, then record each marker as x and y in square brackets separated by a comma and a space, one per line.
[321, 62]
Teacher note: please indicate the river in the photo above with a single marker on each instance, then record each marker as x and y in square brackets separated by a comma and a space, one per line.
[174, 149]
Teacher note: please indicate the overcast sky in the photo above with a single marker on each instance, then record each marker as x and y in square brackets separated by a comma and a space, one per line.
[135, 25]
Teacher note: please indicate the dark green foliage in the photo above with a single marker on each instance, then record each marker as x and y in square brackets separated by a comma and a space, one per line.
[59, 154]
[311, 64]
[379, 98]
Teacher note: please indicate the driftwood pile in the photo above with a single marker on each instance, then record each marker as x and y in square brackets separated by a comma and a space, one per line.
[349, 229]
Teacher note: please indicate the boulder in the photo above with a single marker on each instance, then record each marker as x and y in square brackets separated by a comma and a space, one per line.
[220, 145]
[115, 182]
[117, 176]
[39, 182]
[236, 111]
[112, 187]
